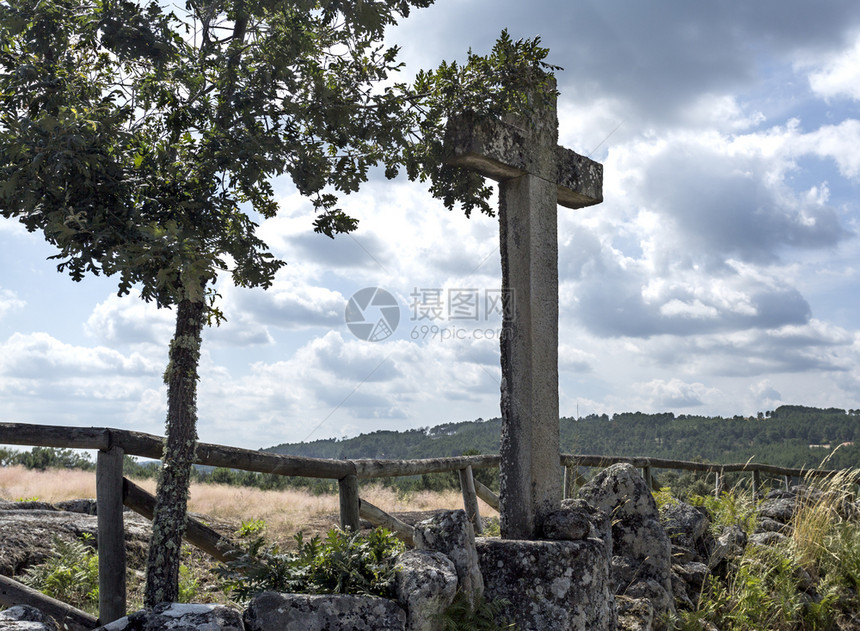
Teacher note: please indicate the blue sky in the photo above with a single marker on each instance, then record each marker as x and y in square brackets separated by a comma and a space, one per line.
[720, 275]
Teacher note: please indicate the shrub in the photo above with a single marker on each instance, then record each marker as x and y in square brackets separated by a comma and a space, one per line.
[342, 563]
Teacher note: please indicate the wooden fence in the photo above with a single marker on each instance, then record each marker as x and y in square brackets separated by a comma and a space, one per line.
[113, 492]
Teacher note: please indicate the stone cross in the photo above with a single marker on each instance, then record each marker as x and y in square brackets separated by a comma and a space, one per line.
[534, 175]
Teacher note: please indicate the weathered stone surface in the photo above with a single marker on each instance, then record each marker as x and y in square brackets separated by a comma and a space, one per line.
[601, 526]
[567, 524]
[25, 618]
[451, 533]
[27, 536]
[498, 150]
[766, 524]
[179, 617]
[779, 509]
[550, 585]
[426, 586]
[83, 506]
[730, 543]
[684, 523]
[690, 577]
[687, 528]
[766, 538]
[271, 611]
[642, 554]
[634, 614]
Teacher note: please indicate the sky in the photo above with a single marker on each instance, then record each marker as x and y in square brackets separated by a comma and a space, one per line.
[720, 276]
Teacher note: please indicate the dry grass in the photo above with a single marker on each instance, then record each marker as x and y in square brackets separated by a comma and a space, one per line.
[53, 485]
[285, 512]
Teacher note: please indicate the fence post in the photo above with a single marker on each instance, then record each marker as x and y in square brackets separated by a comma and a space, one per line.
[349, 505]
[646, 474]
[470, 498]
[565, 483]
[787, 482]
[756, 484]
[718, 485]
[111, 535]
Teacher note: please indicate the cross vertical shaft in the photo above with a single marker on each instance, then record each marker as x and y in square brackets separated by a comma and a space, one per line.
[530, 475]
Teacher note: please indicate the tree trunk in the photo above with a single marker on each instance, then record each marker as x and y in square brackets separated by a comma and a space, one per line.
[168, 524]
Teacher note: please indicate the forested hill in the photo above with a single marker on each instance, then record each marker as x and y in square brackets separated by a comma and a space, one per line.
[791, 435]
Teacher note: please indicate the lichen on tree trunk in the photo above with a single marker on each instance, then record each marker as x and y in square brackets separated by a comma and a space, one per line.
[168, 525]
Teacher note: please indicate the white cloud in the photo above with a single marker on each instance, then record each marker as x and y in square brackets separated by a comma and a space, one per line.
[659, 394]
[9, 302]
[38, 355]
[838, 76]
[129, 320]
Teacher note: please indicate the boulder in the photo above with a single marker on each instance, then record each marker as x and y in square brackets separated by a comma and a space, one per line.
[601, 526]
[180, 617]
[452, 534]
[272, 611]
[25, 618]
[780, 509]
[549, 585]
[641, 551]
[426, 586]
[567, 524]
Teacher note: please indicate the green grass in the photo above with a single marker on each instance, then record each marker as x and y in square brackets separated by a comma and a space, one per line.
[808, 582]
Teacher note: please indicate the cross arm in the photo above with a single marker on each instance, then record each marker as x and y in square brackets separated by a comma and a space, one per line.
[501, 151]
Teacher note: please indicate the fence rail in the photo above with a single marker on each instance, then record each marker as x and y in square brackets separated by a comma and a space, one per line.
[113, 491]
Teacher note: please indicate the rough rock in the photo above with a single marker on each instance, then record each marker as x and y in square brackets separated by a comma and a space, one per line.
[271, 611]
[179, 617]
[634, 614]
[601, 526]
[730, 543]
[691, 577]
[452, 534]
[766, 524]
[426, 586]
[25, 618]
[641, 550]
[767, 538]
[567, 524]
[549, 585]
[27, 535]
[84, 506]
[779, 509]
[686, 527]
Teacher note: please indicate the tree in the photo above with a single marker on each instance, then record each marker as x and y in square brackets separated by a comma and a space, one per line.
[142, 143]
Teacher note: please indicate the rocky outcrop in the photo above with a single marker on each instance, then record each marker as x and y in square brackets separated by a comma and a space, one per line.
[272, 611]
[27, 534]
[641, 564]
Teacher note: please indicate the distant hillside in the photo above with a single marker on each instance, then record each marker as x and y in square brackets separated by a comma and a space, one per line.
[791, 435]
